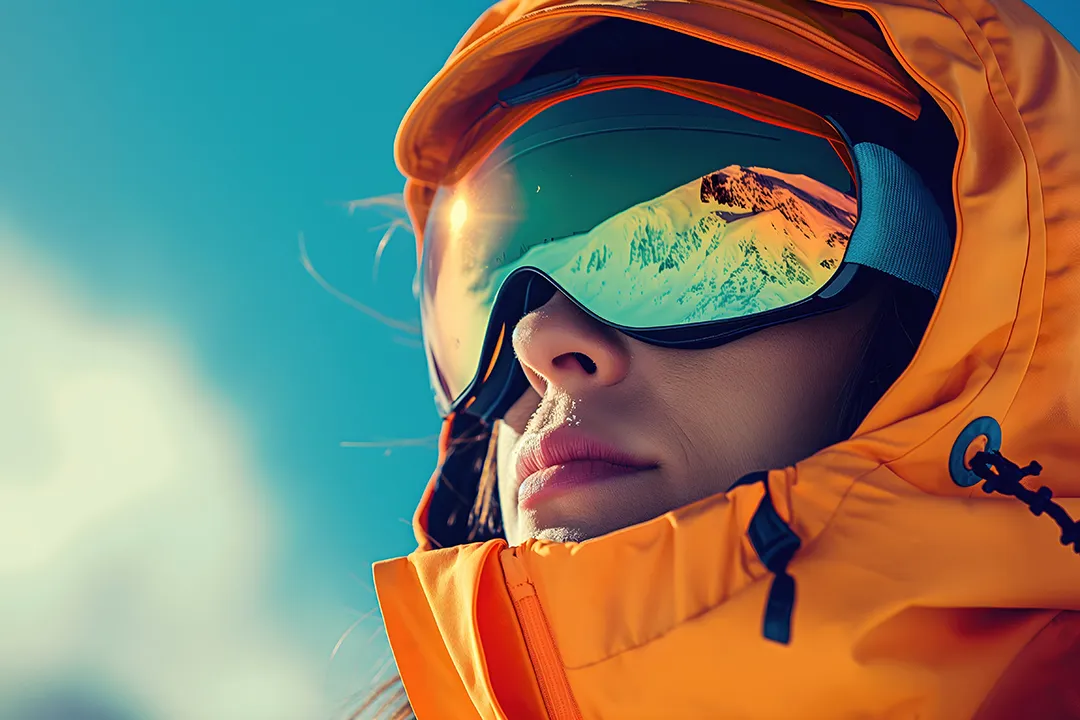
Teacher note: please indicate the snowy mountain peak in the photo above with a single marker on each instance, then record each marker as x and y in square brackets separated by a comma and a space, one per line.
[738, 241]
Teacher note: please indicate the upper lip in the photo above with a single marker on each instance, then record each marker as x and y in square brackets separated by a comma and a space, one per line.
[564, 445]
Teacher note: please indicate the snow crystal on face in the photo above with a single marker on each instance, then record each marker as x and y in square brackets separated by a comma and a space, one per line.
[738, 241]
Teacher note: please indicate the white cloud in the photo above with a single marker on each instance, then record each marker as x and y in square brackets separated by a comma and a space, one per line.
[134, 535]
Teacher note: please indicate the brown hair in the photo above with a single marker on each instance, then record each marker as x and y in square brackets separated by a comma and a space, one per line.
[392, 703]
[485, 520]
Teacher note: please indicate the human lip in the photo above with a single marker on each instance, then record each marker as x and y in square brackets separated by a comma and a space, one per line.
[565, 458]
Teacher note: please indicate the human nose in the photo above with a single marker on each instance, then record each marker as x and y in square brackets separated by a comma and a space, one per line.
[559, 344]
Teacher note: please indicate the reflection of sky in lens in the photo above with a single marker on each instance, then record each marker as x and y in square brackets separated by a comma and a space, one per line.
[759, 240]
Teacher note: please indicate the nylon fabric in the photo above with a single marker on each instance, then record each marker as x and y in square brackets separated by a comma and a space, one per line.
[915, 597]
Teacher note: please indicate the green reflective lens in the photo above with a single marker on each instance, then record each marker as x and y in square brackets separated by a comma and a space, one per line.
[647, 221]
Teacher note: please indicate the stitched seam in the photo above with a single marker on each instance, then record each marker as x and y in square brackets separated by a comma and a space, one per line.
[1028, 188]
[959, 209]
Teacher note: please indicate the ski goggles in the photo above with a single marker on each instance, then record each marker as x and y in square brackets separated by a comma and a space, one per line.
[684, 214]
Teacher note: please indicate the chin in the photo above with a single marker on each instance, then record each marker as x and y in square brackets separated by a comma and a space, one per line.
[563, 534]
[582, 527]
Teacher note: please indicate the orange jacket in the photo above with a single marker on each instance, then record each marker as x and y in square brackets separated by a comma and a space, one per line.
[916, 598]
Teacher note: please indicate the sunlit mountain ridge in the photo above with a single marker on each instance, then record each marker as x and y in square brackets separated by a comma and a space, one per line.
[738, 241]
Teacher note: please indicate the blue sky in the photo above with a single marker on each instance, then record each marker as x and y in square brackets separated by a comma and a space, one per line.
[178, 387]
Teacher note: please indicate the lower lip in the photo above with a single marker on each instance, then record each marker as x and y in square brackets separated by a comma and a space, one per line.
[568, 476]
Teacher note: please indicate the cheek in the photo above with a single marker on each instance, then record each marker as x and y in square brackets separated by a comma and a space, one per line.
[509, 431]
[768, 400]
[798, 377]
[505, 442]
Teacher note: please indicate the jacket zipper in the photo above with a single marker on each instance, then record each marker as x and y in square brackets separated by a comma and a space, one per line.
[543, 653]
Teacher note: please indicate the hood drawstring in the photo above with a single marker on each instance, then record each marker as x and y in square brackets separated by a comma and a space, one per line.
[1001, 475]
[776, 543]
[998, 474]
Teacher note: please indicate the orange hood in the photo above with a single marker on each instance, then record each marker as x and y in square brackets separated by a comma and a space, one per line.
[913, 594]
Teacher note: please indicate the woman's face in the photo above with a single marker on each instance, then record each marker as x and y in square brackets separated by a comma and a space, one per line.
[614, 431]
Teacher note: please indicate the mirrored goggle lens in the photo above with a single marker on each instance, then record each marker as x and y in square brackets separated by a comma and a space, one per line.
[693, 216]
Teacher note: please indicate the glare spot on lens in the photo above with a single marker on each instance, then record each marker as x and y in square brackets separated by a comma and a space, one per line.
[459, 213]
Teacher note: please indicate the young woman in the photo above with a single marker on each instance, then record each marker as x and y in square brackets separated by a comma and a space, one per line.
[738, 312]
